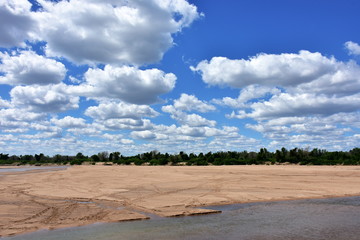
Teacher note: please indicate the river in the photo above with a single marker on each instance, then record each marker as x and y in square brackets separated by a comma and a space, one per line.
[31, 168]
[335, 219]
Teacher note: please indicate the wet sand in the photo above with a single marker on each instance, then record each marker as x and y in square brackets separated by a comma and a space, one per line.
[83, 195]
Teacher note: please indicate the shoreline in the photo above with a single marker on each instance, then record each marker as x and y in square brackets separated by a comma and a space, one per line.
[83, 195]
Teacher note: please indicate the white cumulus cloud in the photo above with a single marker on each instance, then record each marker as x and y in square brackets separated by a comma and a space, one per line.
[4, 103]
[287, 69]
[192, 103]
[286, 85]
[126, 83]
[248, 93]
[183, 118]
[29, 68]
[17, 23]
[146, 135]
[18, 120]
[19, 115]
[288, 105]
[117, 32]
[353, 48]
[188, 103]
[344, 80]
[49, 98]
[125, 123]
[120, 110]
[69, 122]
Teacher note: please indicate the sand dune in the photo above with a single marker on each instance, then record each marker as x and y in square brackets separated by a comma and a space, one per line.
[83, 195]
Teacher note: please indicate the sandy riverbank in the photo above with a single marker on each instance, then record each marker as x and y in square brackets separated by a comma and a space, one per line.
[83, 195]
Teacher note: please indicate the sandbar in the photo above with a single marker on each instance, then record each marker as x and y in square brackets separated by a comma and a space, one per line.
[81, 195]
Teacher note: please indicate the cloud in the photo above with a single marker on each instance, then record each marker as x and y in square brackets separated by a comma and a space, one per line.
[248, 93]
[126, 83]
[343, 81]
[69, 122]
[310, 131]
[193, 120]
[125, 123]
[168, 137]
[307, 125]
[197, 132]
[285, 86]
[191, 103]
[43, 135]
[353, 48]
[117, 32]
[82, 132]
[4, 103]
[49, 98]
[193, 133]
[29, 68]
[13, 126]
[346, 119]
[117, 138]
[287, 105]
[21, 115]
[316, 125]
[287, 69]
[145, 135]
[120, 110]
[18, 120]
[17, 23]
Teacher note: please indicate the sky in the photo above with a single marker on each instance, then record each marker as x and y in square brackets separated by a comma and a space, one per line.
[134, 76]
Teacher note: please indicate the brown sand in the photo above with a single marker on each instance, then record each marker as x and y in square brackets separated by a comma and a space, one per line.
[87, 194]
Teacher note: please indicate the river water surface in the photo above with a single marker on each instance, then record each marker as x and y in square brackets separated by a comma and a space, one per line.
[31, 168]
[328, 219]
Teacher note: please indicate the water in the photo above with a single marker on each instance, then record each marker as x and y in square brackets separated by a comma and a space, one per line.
[24, 169]
[335, 219]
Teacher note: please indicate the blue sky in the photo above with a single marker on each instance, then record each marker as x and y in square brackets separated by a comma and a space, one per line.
[174, 75]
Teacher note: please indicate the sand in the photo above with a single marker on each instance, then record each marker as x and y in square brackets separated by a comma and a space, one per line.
[82, 195]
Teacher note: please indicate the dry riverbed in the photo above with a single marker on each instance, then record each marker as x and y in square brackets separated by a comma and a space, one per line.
[83, 195]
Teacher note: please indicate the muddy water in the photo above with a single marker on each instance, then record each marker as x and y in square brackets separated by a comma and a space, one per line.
[335, 219]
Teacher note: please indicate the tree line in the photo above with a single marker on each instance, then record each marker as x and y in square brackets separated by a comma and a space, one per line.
[263, 156]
